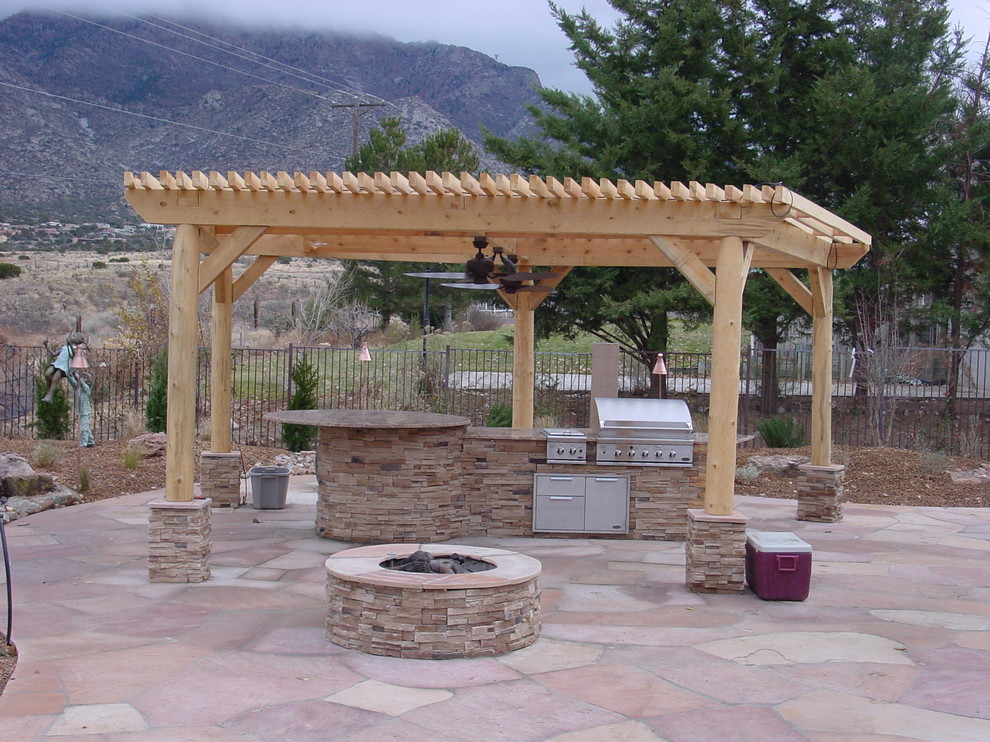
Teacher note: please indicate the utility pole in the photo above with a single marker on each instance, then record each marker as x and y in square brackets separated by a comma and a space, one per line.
[356, 110]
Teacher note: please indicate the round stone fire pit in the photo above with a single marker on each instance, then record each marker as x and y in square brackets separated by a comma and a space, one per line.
[432, 616]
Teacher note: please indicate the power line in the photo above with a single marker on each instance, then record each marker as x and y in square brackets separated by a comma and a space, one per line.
[276, 65]
[191, 56]
[57, 177]
[152, 118]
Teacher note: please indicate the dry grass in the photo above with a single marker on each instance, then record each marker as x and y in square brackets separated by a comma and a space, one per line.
[54, 288]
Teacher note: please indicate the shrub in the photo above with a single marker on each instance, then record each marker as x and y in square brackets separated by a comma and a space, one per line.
[500, 416]
[9, 270]
[132, 457]
[305, 383]
[933, 463]
[85, 480]
[747, 474]
[156, 410]
[45, 456]
[781, 432]
[97, 264]
[53, 420]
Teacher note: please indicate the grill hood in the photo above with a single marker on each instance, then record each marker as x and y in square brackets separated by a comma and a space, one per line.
[641, 418]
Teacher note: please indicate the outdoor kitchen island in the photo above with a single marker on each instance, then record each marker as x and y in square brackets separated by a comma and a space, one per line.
[401, 477]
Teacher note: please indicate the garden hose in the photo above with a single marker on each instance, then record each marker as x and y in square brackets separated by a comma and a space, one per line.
[6, 566]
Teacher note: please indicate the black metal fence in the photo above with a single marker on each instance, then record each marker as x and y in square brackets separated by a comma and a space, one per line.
[913, 408]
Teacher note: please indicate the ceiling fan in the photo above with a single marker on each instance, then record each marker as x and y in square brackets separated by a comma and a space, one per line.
[480, 273]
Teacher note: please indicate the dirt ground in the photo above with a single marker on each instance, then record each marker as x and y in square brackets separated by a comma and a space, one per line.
[887, 476]
[873, 476]
[882, 476]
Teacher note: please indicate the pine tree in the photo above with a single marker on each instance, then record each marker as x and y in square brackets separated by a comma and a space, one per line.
[156, 408]
[53, 420]
[849, 102]
[382, 284]
[305, 391]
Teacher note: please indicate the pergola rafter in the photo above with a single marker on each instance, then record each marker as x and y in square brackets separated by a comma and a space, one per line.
[713, 234]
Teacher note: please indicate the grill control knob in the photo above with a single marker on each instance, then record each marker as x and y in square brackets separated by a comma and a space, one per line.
[573, 451]
[659, 454]
[560, 450]
[672, 454]
[617, 452]
[632, 453]
[645, 454]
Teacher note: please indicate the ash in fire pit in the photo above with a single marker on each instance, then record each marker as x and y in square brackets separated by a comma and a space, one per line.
[424, 562]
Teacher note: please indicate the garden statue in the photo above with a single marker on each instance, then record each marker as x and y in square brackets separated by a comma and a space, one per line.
[68, 363]
[85, 408]
[62, 365]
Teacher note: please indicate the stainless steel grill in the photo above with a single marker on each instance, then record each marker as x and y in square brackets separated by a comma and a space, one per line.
[643, 432]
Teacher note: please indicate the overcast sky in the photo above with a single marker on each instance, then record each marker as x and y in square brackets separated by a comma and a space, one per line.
[517, 32]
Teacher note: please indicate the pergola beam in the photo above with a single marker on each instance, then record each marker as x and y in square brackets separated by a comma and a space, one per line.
[224, 256]
[690, 267]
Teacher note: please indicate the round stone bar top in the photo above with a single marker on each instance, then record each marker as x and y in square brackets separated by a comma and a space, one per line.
[363, 565]
[385, 419]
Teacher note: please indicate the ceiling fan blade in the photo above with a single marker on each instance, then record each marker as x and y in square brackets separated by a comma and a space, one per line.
[451, 275]
[520, 277]
[475, 286]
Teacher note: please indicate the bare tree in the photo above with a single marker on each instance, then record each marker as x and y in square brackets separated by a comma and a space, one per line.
[884, 363]
[317, 317]
[354, 323]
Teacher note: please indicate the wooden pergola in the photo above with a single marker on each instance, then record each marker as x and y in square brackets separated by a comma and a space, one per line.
[548, 223]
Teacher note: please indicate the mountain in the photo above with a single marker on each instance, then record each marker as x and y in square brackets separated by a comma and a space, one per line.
[66, 147]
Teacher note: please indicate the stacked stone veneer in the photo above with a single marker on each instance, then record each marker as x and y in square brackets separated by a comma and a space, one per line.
[425, 616]
[393, 485]
[715, 552]
[179, 541]
[821, 492]
[220, 478]
[499, 465]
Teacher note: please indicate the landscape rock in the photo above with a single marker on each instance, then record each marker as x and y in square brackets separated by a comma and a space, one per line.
[149, 444]
[18, 479]
[21, 507]
[302, 462]
[785, 466]
[980, 475]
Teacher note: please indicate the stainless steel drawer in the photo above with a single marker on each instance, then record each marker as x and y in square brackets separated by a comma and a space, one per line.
[558, 513]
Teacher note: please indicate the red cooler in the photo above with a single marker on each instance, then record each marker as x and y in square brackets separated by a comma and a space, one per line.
[778, 565]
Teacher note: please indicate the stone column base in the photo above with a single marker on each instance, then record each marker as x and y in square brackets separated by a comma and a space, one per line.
[179, 541]
[715, 552]
[820, 492]
[220, 478]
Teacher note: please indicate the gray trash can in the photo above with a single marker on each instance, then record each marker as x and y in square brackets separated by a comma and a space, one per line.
[269, 486]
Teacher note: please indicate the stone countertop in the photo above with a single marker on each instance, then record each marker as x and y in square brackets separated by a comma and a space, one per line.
[386, 419]
[530, 434]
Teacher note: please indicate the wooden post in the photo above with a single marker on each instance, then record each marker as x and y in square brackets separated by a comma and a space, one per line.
[220, 363]
[180, 447]
[731, 268]
[523, 366]
[821, 367]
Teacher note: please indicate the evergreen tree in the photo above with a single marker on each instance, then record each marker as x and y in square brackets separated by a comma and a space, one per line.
[156, 408]
[847, 101]
[53, 420]
[305, 391]
[382, 284]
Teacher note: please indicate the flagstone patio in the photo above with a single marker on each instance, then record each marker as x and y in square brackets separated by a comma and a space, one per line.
[892, 644]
